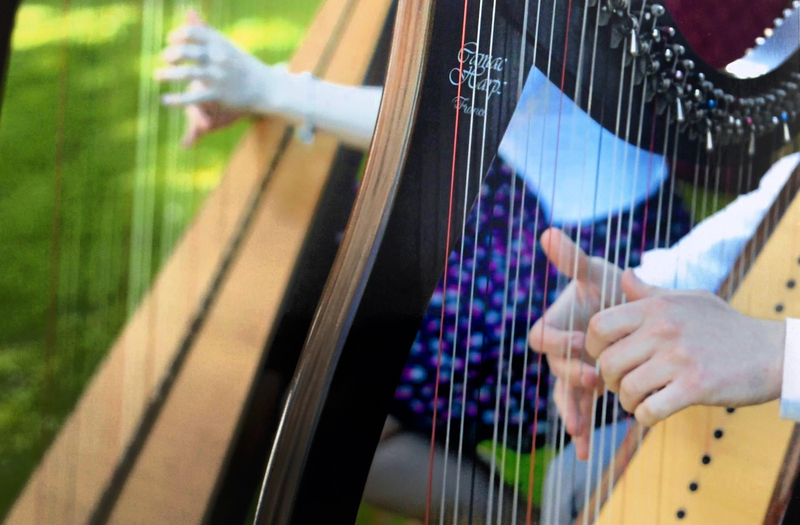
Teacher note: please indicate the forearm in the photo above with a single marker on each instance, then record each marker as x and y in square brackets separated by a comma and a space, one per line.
[348, 112]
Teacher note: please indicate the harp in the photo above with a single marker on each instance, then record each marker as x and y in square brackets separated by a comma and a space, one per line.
[168, 428]
[626, 65]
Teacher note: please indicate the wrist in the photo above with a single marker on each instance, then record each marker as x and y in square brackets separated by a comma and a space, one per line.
[292, 96]
[289, 94]
[775, 342]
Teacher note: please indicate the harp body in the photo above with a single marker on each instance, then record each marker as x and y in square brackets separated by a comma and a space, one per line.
[157, 430]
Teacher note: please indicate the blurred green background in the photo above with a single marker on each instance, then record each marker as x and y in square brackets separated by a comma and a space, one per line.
[83, 75]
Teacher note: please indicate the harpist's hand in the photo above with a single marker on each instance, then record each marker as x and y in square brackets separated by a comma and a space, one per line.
[560, 332]
[225, 83]
[666, 350]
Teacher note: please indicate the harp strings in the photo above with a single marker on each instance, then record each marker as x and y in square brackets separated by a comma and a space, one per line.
[550, 219]
[545, 106]
[710, 168]
[454, 357]
[604, 299]
[515, 302]
[593, 408]
[656, 244]
[520, 243]
[57, 282]
[667, 244]
[428, 504]
[541, 150]
[578, 240]
[504, 319]
[108, 237]
[173, 207]
[629, 240]
[559, 446]
[607, 252]
[534, 429]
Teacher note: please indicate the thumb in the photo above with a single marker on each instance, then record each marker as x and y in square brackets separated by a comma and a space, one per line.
[562, 251]
[636, 289]
[193, 18]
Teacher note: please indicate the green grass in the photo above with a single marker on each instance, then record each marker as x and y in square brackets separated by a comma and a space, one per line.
[510, 474]
[114, 157]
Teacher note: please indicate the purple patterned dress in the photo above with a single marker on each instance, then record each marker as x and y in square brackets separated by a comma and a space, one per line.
[413, 399]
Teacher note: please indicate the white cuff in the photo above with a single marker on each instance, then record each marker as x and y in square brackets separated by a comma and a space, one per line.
[305, 132]
[790, 391]
[296, 92]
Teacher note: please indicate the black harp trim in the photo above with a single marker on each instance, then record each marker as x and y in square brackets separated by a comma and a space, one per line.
[248, 455]
[8, 14]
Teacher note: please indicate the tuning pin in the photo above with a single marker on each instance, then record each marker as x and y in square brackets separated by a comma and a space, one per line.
[619, 5]
[787, 135]
[709, 141]
[751, 150]
[634, 39]
[681, 115]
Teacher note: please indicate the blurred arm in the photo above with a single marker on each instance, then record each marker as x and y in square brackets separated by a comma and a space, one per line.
[226, 83]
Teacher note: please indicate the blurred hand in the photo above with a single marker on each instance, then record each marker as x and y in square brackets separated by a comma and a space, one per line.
[224, 82]
[560, 332]
[667, 350]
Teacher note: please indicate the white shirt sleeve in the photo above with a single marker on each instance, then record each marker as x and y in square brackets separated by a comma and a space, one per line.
[790, 391]
[348, 112]
[704, 258]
